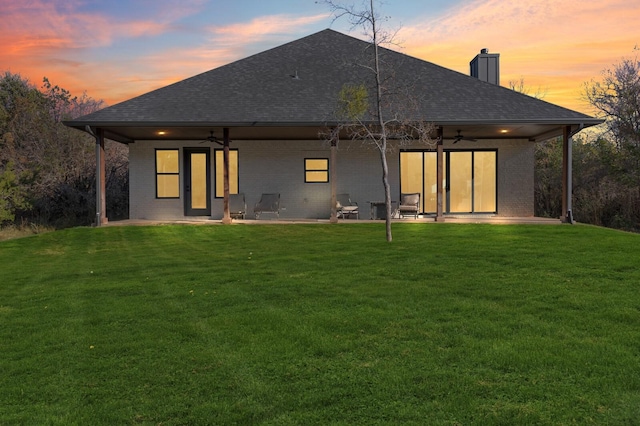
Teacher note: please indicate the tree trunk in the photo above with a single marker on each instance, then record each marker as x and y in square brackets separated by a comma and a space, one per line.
[387, 192]
[334, 177]
[226, 218]
[382, 145]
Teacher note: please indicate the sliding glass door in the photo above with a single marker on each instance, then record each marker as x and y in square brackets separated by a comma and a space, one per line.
[470, 180]
[485, 183]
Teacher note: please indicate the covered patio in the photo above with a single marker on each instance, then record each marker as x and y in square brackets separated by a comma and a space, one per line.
[477, 132]
[346, 222]
[252, 126]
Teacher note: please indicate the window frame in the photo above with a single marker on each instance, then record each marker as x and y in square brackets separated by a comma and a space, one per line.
[220, 167]
[446, 177]
[308, 170]
[159, 173]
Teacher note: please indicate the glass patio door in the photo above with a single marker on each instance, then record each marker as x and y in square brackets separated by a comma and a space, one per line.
[469, 182]
[197, 182]
[418, 174]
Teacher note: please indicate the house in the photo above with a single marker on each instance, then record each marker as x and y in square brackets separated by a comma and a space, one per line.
[266, 114]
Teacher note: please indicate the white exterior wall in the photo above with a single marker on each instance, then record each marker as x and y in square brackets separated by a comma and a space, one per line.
[142, 183]
[278, 166]
[516, 162]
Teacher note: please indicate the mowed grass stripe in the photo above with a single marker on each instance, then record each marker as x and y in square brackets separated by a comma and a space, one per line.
[317, 324]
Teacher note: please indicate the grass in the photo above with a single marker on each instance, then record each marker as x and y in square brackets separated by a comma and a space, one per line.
[320, 324]
[23, 229]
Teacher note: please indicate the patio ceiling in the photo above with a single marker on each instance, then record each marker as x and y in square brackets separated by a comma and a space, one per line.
[531, 131]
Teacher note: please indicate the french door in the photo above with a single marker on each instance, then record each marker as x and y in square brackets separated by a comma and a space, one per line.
[469, 182]
[197, 178]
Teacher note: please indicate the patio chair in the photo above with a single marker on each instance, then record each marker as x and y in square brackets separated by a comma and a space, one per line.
[269, 203]
[345, 207]
[409, 205]
[237, 206]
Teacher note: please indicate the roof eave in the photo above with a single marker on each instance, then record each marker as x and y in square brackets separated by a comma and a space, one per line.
[587, 122]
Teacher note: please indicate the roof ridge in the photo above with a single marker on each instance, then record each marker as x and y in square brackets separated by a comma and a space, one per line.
[299, 81]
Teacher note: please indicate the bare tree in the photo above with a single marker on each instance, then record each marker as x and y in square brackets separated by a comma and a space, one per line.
[520, 87]
[617, 99]
[377, 119]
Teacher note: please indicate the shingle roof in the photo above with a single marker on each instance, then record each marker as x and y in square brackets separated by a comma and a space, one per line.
[298, 83]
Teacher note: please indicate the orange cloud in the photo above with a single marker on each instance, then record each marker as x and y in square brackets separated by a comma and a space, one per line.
[554, 46]
[51, 38]
[266, 26]
[225, 44]
[45, 38]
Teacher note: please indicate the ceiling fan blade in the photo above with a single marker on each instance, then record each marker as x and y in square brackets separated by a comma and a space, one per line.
[211, 138]
[460, 137]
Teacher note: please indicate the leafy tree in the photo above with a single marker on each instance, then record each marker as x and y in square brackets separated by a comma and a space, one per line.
[13, 196]
[548, 178]
[367, 110]
[606, 177]
[47, 167]
[599, 197]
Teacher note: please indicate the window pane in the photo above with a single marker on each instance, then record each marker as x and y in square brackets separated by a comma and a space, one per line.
[430, 182]
[168, 186]
[484, 182]
[198, 180]
[316, 164]
[233, 172]
[316, 176]
[411, 172]
[460, 182]
[316, 170]
[167, 161]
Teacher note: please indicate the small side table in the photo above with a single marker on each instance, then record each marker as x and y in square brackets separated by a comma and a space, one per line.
[379, 209]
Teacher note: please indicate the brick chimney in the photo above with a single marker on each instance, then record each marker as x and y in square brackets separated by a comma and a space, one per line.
[486, 67]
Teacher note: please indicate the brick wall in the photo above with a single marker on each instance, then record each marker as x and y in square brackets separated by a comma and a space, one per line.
[278, 166]
[516, 161]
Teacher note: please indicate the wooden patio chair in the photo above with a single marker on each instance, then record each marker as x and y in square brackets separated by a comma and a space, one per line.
[269, 203]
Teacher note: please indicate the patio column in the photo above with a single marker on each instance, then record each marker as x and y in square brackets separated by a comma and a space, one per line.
[226, 218]
[334, 178]
[440, 175]
[101, 180]
[567, 171]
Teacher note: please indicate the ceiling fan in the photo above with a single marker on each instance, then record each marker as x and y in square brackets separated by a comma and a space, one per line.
[459, 137]
[212, 138]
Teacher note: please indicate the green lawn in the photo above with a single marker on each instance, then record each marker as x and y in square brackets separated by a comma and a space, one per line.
[321, 324]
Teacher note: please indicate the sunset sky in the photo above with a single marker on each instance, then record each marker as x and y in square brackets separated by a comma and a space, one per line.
[115, 50]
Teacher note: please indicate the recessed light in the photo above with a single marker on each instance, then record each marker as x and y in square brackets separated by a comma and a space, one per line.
[504, 131]
[161, 132]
